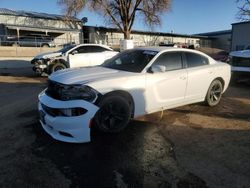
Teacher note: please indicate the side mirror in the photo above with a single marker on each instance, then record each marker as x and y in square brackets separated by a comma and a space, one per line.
[157, 68]
[74, 52]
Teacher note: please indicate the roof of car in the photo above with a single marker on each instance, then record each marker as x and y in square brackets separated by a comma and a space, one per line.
[163, 48]
[92, 44]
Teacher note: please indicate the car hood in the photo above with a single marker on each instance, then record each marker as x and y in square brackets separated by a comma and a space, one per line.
[48, 55]
[243, 53]
[87, 75]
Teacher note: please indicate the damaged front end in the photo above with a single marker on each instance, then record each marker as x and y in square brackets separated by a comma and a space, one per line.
[66, 117]
[40, 66]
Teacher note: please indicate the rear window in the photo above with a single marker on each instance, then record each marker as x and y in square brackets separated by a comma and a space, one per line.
[195, 60]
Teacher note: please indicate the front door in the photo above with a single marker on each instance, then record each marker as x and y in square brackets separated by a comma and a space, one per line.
[79, 57]
[166, 89]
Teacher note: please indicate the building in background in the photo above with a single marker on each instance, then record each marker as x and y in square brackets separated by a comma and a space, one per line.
[112, 37]
[21, 23]
[240, 36]
[219, 39]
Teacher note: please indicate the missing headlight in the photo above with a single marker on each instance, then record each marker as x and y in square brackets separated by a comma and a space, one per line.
[66, 112]
[71, 92]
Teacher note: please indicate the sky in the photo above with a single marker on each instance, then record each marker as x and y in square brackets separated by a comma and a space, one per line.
[185, 16]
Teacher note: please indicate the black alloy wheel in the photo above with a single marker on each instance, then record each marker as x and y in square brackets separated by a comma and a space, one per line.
[214, 93]
[113, 115]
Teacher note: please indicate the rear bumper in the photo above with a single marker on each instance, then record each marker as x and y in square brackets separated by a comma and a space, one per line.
[74, 129]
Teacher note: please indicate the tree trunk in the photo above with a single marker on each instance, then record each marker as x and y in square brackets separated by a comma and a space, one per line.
[126, 34]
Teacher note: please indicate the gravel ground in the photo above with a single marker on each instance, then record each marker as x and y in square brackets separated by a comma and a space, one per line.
[190, 146]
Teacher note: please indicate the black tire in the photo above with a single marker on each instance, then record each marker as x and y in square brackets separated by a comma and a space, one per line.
[113, 115]
[214, 93]
[15, 44]
[45, 46]
[56, 67]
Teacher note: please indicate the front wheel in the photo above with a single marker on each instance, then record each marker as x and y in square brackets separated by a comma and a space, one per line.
[45, 46]
[113, 115]
[214, 93]
[56, 67]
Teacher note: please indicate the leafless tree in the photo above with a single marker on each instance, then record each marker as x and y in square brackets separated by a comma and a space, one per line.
[244, 10]
[121, 13]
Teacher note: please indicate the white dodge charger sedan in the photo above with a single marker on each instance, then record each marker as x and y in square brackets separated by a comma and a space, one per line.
[132, 83]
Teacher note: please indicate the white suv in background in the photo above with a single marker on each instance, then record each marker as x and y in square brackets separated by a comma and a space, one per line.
[240, 65]
[72, 56]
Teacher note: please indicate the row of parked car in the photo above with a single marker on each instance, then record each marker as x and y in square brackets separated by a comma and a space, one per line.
[82, 55]
[31, 40]
[115, 87]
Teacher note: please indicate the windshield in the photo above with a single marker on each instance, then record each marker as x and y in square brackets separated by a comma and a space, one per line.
[130, 60]
[66, 48]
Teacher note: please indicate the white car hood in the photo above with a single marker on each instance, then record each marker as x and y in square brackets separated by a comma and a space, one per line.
[48, 55]
[86, 75]
[243, 53]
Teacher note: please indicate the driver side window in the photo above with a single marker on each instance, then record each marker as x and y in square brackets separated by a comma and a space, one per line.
[171, 61]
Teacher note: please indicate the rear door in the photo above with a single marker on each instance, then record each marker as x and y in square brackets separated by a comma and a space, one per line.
[200, 75]
[97, 54]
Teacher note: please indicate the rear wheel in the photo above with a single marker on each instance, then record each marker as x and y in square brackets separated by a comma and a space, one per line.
[214, 93]
[113, 115]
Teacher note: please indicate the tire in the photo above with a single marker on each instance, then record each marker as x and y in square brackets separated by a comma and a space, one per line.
[114, 114]
[15, 44]
[214, 93]
[45, 46]
[56, 67]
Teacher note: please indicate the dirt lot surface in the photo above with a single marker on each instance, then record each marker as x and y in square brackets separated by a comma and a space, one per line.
[188, 147]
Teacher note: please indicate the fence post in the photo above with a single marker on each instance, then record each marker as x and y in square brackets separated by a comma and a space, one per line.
[16, 50]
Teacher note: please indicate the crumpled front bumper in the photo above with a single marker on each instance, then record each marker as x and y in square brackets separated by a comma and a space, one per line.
[74, 129]
[40, 66]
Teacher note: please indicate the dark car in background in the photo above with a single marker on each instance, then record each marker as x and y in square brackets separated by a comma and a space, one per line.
[32, 40]
[221, 56]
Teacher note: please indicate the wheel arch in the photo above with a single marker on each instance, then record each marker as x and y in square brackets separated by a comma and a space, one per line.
[45, 44]
[126, 95]
[60, 60]
[221, 80]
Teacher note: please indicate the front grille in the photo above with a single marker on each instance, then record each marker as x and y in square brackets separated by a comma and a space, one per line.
[66, 112]
[240, 62]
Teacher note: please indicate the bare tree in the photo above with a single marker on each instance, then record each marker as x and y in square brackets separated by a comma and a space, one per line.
[244, 10]
[121, 13]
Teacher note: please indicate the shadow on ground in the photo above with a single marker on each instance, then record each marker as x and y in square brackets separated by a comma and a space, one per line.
[137, 157]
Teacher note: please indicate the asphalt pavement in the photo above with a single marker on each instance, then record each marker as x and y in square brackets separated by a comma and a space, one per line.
[15, 62]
